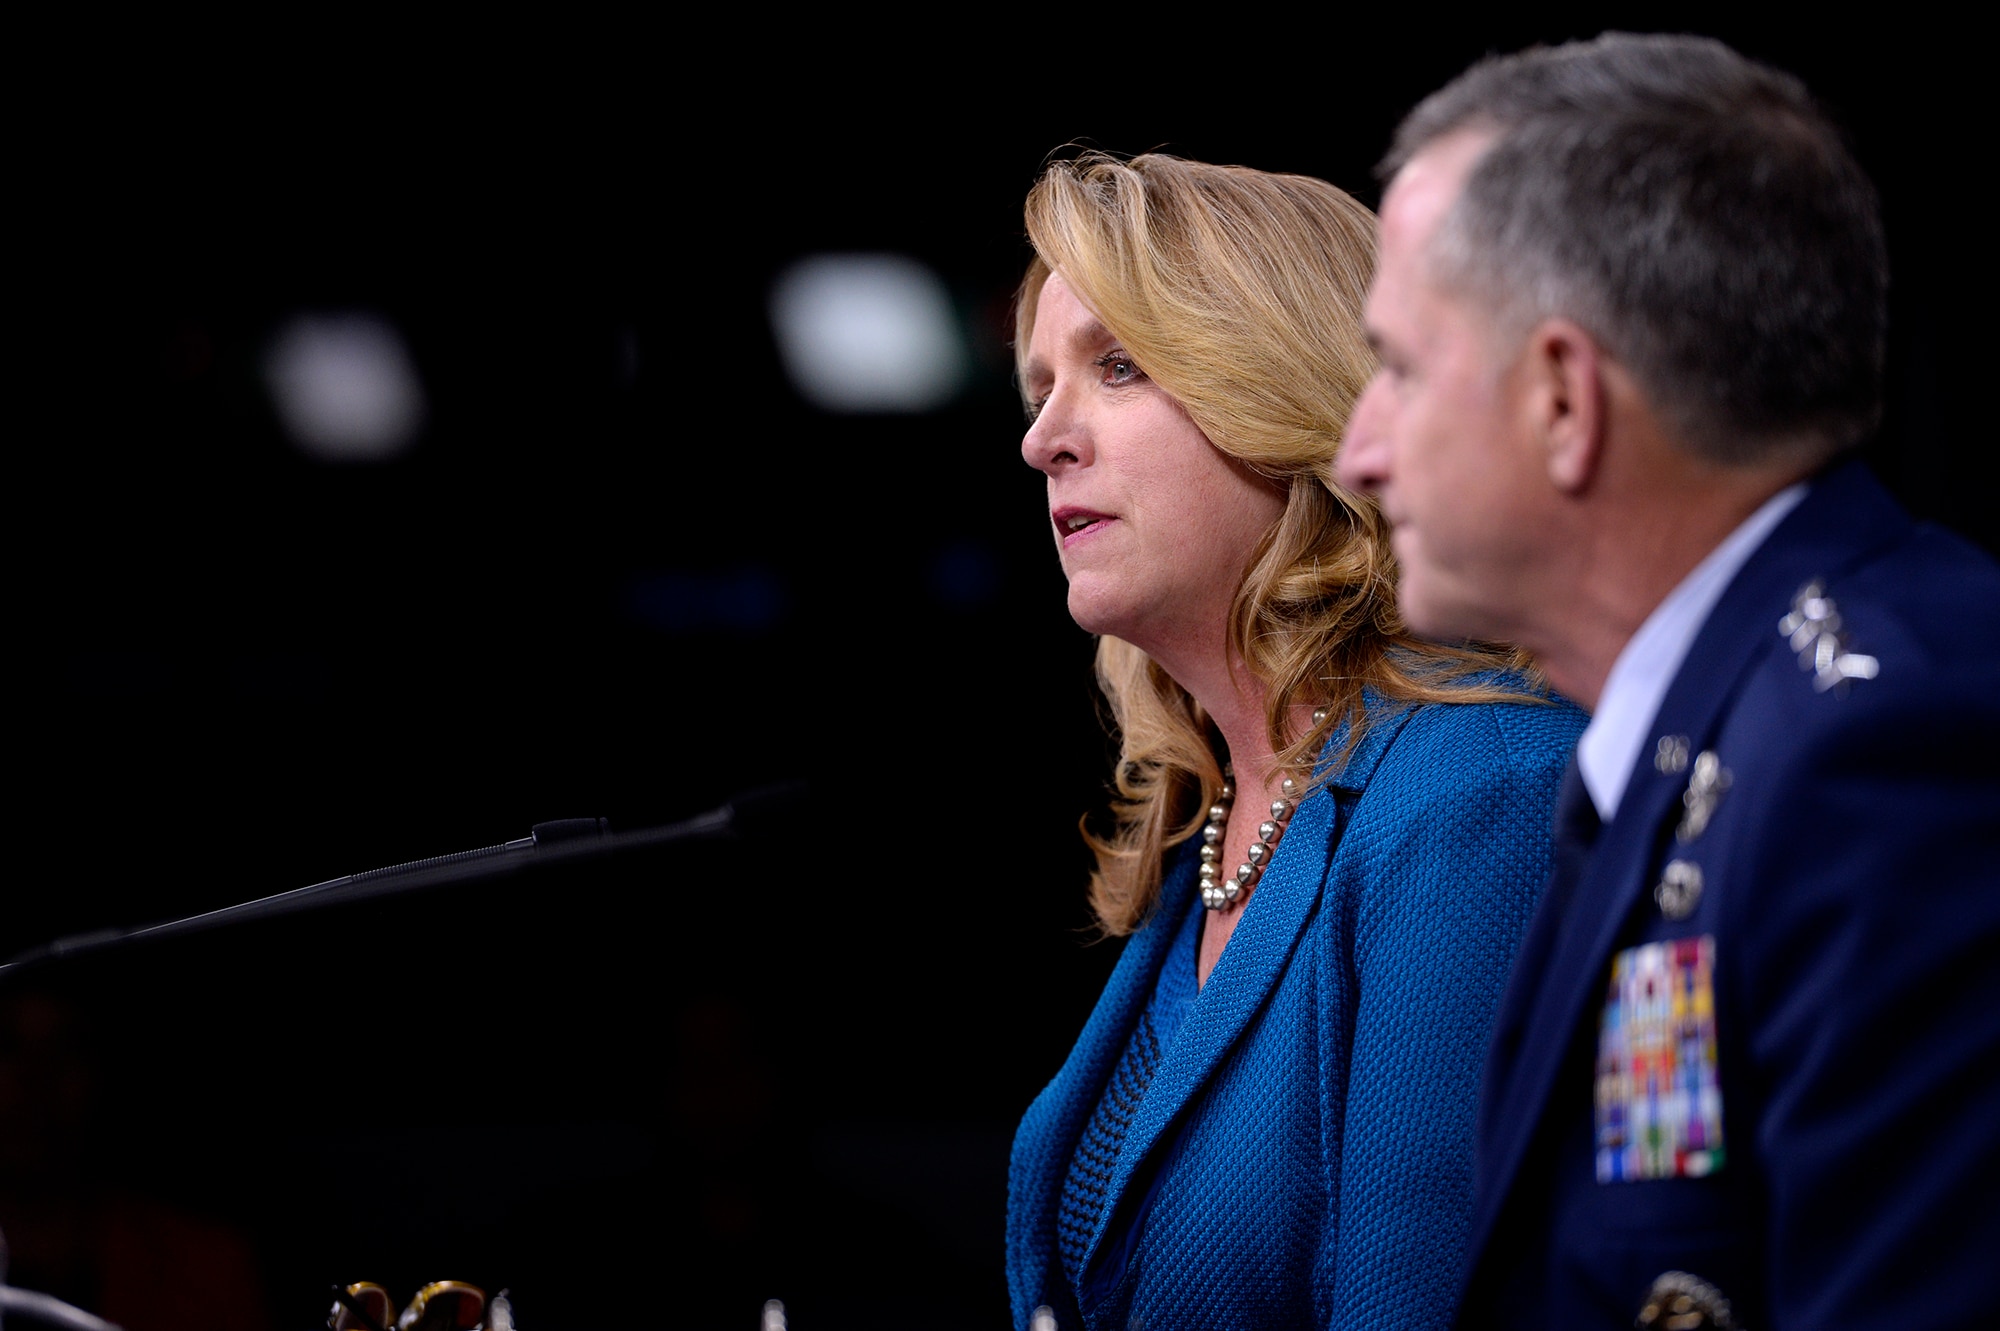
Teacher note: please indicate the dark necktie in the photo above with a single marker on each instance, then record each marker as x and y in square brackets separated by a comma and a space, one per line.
[1576, 829]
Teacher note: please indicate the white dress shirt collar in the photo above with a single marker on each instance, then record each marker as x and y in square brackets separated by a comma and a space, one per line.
[1638, 681]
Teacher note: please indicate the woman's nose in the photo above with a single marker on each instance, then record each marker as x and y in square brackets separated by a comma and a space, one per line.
[1054, 440]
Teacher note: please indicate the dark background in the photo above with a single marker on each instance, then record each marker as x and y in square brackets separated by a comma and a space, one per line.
[625, 571]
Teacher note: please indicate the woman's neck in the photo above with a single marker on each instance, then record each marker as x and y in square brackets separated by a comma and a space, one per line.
[1235, 701]
[1239, 716]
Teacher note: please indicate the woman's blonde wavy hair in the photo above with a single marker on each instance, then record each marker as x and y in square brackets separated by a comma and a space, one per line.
[1239, 292]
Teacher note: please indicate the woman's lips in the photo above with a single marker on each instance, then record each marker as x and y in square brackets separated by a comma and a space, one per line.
[1076, 524]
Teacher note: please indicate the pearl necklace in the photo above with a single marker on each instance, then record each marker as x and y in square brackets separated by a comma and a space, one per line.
[1217, 893]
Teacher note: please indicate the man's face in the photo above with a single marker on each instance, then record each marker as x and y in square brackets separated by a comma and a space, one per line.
[1442, 435]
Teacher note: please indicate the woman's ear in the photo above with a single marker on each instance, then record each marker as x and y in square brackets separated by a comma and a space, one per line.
[1565, 369]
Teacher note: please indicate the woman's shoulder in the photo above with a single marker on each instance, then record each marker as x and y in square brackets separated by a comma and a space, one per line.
[1522, 738]
[1464, 783]
[1539, 729]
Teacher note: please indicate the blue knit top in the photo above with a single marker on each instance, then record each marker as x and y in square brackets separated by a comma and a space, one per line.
[1301, 1154]
[1096, 1158]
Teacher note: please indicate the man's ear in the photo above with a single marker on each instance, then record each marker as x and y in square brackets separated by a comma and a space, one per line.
[1565, 369]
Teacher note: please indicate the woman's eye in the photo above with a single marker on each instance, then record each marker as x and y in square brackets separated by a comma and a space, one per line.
[1118, 369]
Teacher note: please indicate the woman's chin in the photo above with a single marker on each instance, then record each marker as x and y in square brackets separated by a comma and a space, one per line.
[1095, 612]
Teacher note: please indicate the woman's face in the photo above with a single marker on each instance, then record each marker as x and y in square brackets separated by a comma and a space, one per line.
[1155, 527]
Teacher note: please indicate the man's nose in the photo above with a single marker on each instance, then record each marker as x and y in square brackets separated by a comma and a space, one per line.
[1363, 461]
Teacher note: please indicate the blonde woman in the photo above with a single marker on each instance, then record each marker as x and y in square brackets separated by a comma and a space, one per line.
[1326, 836]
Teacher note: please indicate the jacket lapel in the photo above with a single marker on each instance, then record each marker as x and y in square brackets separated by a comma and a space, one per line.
[1565, 962]
[1251, 965]
[1054, 1123]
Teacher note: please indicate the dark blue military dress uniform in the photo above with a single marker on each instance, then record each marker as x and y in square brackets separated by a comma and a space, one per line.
[1747, 1072]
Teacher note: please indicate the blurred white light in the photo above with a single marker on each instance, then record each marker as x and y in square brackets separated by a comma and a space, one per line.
[345, 387]
[868, 332]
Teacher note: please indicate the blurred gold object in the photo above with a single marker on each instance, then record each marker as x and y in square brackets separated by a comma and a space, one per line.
[367, 1307]
[444, 1305]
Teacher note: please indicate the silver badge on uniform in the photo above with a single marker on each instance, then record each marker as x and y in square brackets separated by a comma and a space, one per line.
[1679, 889]
[1681, 1302]
[1813, 630]
[1708, 783]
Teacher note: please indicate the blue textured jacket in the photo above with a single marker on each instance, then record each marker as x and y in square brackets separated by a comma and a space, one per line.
[1849, 894]
[1303, 1154]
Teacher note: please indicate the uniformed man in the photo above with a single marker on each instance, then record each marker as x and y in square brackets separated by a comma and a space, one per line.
[1630, 312]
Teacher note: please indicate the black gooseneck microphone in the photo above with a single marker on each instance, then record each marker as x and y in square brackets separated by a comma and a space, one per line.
[561, 840]
[42, 1309]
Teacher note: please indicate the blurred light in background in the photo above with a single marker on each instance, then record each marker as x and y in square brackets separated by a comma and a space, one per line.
[345, 387]
[868, 333]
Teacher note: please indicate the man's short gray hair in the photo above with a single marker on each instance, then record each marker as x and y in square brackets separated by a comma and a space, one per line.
[1695, 211]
